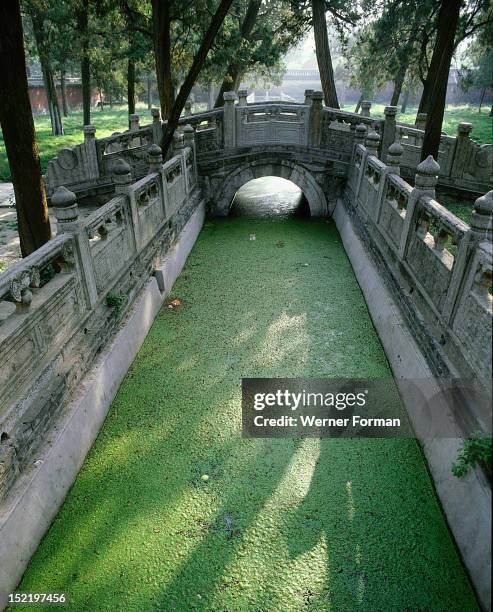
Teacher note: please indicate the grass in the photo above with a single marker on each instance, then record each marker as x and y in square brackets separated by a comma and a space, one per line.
[333, 524]
[106, 122]
[482, 130]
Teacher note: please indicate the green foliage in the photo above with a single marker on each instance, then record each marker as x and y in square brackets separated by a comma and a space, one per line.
[475, 451]
[117, 301]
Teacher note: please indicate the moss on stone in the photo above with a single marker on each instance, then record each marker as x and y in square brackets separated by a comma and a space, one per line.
[279, 524]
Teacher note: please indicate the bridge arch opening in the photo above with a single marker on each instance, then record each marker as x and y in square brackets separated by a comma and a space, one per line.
[227, 188]
[269, 196]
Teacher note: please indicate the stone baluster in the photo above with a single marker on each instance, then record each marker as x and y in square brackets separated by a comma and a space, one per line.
[462, 148]
[482, 218]
[372, 141]
[315, 119]
[425, 181]
[122, 176]
[133, 123]
[155, 158]
[308, 96]
[229, 119]
[420, 121]
[188, 108]
[389, 129]
[66, 210]
[92, 165]
[394, 155]
[365, 108]
[178, 142]
[189, 140]
[157, 130]
[242, 96]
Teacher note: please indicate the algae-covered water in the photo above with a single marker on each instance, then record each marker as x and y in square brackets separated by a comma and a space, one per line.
[332, 524]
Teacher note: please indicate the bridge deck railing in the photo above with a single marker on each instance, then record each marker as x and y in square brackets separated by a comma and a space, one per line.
[59, 305]
[464, 164]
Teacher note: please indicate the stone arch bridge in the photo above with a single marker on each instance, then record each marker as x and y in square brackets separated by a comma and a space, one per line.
[425, 275]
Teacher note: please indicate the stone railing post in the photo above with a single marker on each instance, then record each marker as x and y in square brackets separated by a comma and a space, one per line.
[133, 123]
[394, 155]
[372, 141]
[155, 158]
[91, 152]
[229, 119]
[66, 212]
[242, 96]
[359, 138]
[420, 122]
[157, 129]
[122, 177]
[315, 119]
[425, 181]
[482, 218]
[365, 108]
[461, 149]
[178, 142]
[188, 108]
[189, 140]
[308, 96]
[389, 127]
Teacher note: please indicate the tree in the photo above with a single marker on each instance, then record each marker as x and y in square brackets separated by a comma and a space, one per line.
[198, 62]
[18, 132]
[161, 36]
[437, 79]
[324, 59]
[82, 13]
[38, 13]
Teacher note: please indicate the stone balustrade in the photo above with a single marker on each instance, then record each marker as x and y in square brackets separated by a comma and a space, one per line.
[55, 316]
[445, 264]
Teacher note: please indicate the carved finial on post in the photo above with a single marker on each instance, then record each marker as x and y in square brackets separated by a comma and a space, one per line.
[394, 155]
[372, 141]
[360, 134]
[157, 130]
[155, 158]
[188, 135]
[464, 129]
[66, 210]
[308, 96]
[89, 132]
[421, 121]
[133, 123]
[188, 108]
[122, 175]
[242, 95]
[426, 176]
[178, 143]
[482, 217]
[155, 114]
[365, 108]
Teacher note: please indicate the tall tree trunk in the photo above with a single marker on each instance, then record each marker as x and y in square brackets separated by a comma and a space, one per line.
[405, 101]
[149, 92]
[483, 92]
[193, 73]
[85, 66]
[448, 18]
[358, 104]
[324, 58]
[398, 83]
[37, 20]
[131, 85]
[232, 79]
[161, 22]
[63, 90]
[18, 133]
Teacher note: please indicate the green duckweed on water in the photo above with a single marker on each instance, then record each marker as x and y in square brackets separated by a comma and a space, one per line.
[332, 524]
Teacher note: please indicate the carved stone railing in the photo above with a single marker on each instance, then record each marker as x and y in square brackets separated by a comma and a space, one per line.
[463, 163]
[54, 313]
[445, 263]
